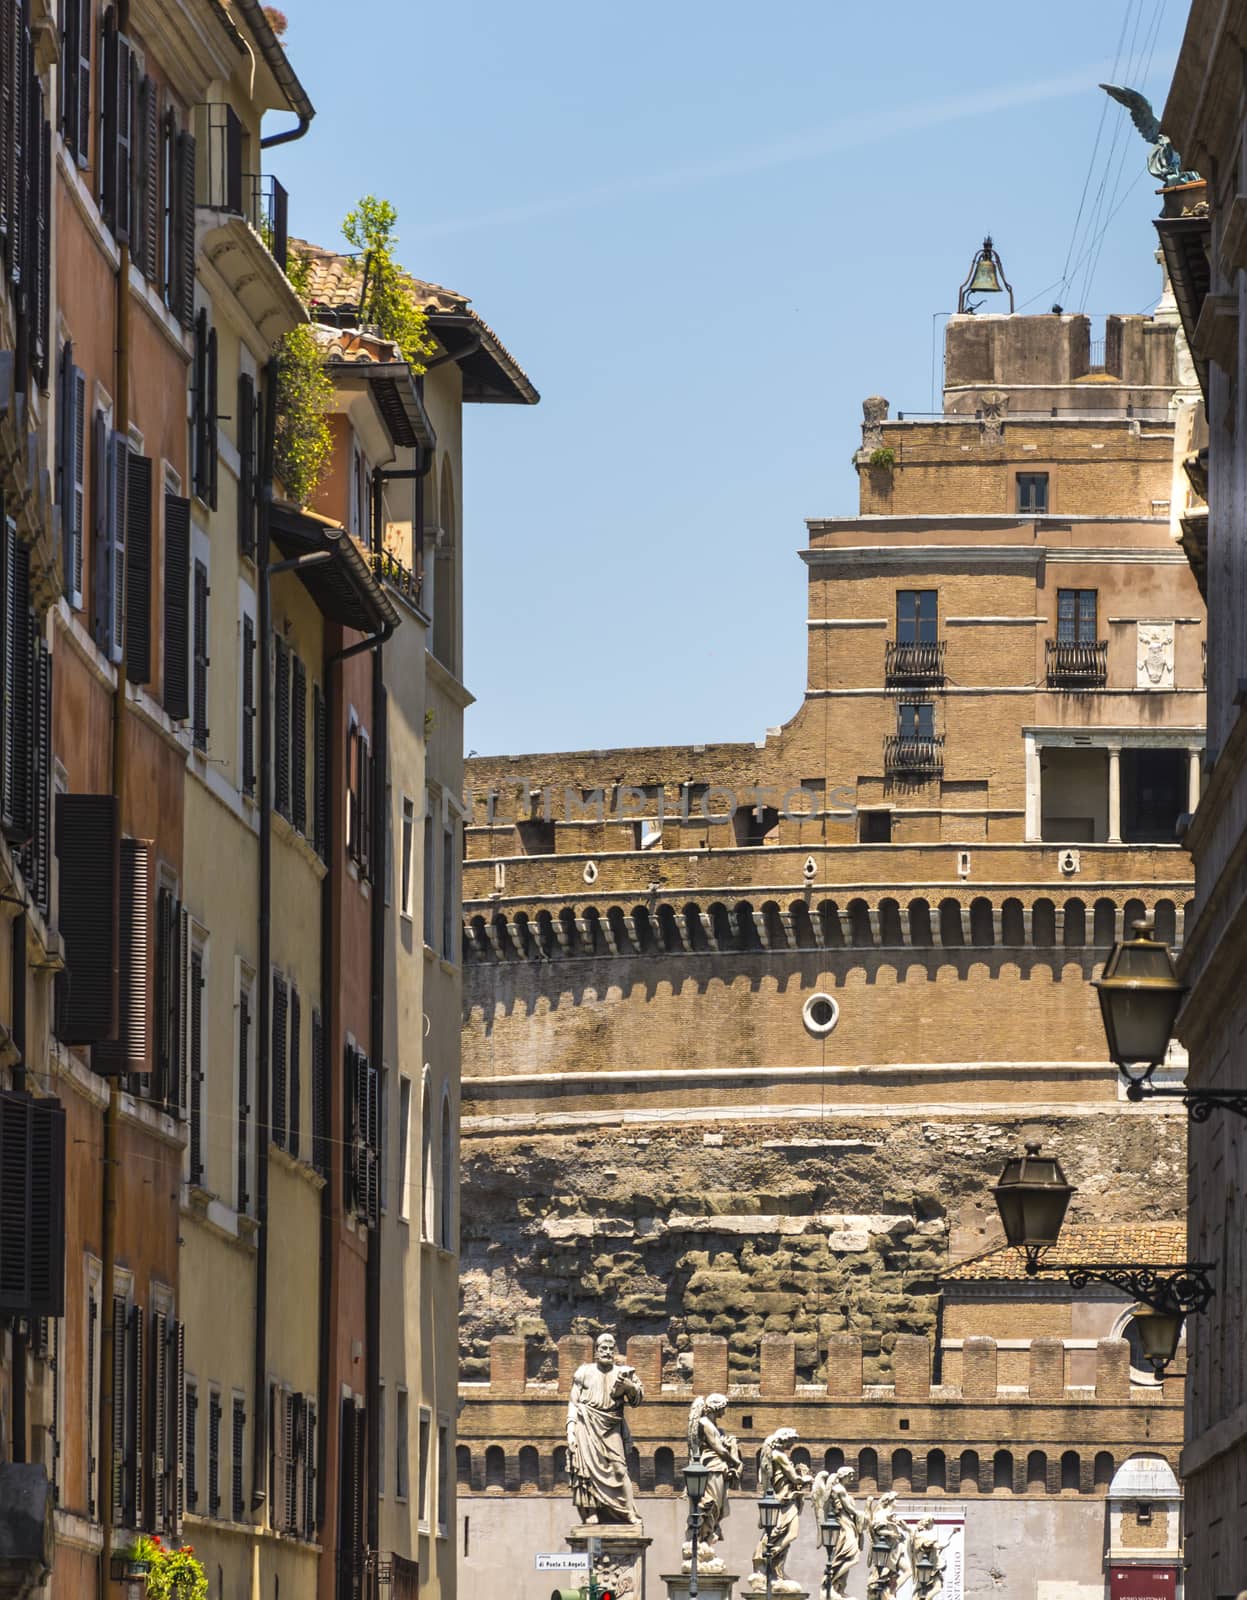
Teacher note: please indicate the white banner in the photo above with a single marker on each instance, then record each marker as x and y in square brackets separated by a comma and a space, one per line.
[950, 1529]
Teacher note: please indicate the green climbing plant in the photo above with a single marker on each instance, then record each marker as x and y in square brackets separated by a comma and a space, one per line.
[388, 304]
[302, 442]
[884, 457]
[173, 1573]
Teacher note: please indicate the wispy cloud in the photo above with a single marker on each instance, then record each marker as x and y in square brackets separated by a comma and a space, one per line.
[848, 133]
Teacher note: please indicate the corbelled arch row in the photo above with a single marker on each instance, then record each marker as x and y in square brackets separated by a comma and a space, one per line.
[730, 926]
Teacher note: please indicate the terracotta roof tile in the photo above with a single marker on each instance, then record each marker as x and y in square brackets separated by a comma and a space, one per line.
[1124, 1244]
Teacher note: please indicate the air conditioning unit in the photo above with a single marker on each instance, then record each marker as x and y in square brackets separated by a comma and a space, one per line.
[1071, 861]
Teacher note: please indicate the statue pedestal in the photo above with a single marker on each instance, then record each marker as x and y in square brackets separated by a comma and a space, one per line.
[782, 1588]
[616, 1552]
[710, 1585]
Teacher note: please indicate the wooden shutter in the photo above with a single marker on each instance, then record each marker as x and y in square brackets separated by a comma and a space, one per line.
[77, 491]
[350, 1520]
[87, 849]
[170, 1018]
[320, 1099]
[118, 494]
[41, 207]
[298, 746]
[244, 1092]
[320, 779]
[136, 1431]
[199, 404]
[18, 152]
[296, 1088]
[199, 726]
[121, 1409]
[32, 1206]
[93, 1317]
[238, 1504]
[71, 23]
[214, 1453]
[372, 1111]
[8, 111]
[278, 1063]
[176, 1413]
[233, 161]
[15, 632]
[248, 705]
[195, 1054]
[177, 606]
[191, 1476]
[281, 728]
[36, 857]
[246, 464]
[106, 151]
[357, 1492]
[112, 451]
[131, 1052]
[210, 421]
[290, 1478]
[276, 1456]
[83, 143]
[309, 1470]
[146, 250]
[123, 187]
[159, 1429]
[70, 468]
[183, 280]
[138, 567]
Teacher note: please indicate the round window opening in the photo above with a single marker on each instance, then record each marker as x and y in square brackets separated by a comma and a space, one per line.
[820, 1014]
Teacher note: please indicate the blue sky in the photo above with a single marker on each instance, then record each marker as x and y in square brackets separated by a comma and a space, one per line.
[707, 230]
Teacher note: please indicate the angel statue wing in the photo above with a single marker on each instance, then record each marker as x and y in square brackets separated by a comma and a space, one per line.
[819, 1494]
[1140, 109]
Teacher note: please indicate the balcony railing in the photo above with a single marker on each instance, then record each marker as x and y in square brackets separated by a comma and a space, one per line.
[222, 185]
[908, 756]
[1077, 666]
[387, 568]
[913, 663]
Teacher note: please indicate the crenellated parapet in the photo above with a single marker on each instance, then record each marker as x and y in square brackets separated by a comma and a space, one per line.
[917, 1434]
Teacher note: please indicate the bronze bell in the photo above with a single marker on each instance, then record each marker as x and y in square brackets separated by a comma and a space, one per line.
[986, 277]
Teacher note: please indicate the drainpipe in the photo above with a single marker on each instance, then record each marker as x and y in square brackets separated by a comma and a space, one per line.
[112, 1112]
[372, 1278]
[18, 1032]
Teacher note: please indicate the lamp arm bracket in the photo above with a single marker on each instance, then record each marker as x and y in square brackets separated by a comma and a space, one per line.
[1183, 1289]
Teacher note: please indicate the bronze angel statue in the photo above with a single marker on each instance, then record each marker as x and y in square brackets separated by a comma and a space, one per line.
[1163, 161]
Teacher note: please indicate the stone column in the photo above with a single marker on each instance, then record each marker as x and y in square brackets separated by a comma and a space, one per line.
[1114, 794]
[1194, 761]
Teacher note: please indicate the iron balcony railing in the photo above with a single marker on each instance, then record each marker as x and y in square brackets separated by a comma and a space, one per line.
[908, 756]
[387, 568]
[222, 184]
[913, 663]
[1077, 666]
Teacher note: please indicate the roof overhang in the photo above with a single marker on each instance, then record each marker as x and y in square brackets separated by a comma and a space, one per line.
[250, 272]
[396, 395]
[342, 583]
[1185, 243]
[491, 374]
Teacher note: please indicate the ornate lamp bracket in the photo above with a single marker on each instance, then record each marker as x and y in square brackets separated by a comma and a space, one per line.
[1185, 1289]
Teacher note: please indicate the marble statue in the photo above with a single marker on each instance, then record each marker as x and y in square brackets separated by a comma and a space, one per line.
[926, 1560]
[1163, 161]
[598, 1439]
[708, 1443]
[780, 1475]
[888, 1538]
[833, 1503]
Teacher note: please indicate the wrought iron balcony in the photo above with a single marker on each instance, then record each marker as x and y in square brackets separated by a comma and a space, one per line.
[1077, 666]
[222, 185]
[387, 568]
[908, 756]
[906, 664]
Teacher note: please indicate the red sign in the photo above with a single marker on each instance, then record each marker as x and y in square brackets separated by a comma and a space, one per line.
[1143, 1583]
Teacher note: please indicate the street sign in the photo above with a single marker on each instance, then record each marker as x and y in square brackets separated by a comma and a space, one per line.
[562, 1561]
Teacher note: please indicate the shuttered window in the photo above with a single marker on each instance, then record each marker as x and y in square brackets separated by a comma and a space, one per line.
[116, 129]
[248, 705]
[158, 1400]
[199, 674]
[112, 451]
[131, 1051]
[320, 776]
[204, 412]
[352, 1436]
[292, 1471]
[18, 47]
[175, 1448]
[32, 1206]
[180, 263]
[359, 821]
[36, 857]
[309, 1521]
[244, 1097]
[87, 848]
[279, 1063]
[192, 1448]
[281, 728]
[238, 1504]
[247, 443]
[138, 567]
[214, 1452]
[76, 76]
[121, 1410]
[177, 606]
[320, 1098]
[16, 643]
[195, 1052]
[298, 745]
[170, 1001]
[70, 470]
[145, 245]
[362, 1171]
[136, 1417]
[296, 1087]
[39, 204]
[92, 1463]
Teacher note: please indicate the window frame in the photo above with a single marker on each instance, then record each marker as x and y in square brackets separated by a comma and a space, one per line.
[1026, 485]
[915, 618]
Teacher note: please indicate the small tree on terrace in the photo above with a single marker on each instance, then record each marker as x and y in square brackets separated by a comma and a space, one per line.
[388, 304]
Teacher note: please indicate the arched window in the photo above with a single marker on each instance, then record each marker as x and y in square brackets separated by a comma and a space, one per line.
[1036, 1472]
[1070, 1470]
[937, 1472]
[560, 1465]
[426, 1160]
[446, 1211]
[1103, 1469]
[529, 1468]
[1002, 1470]
[902, 1471]
[868, 1470]
[801, 1457]
[664, 1468]
[968, 1473]
[495, 1468]
[833, 1459]
[463, 1466]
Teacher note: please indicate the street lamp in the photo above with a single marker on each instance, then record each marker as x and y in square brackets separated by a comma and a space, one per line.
[769, 1511]
[1140, 995]
[696, 1477]
[828, 1530]
[1032, 1196]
